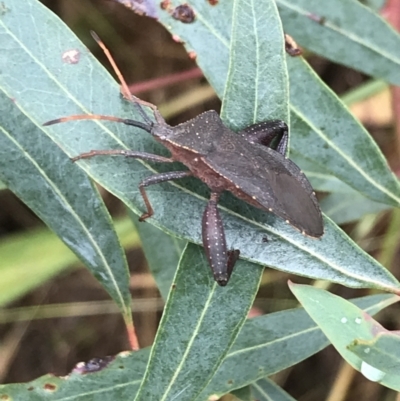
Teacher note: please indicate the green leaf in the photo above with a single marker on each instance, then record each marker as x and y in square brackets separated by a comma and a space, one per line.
[44, 255]
[383, 352]
[119, 380]
[162, 253]
[342, 322]
[321, 127]
[271, 343]
[320, 178]
[257, 67]
[41, 175]
[374, 4]
[257, 352]
[80, 88]
[243, 394]
[349, 206]
[319, 122]
[350, 34]
[200, 322]
[267, 390]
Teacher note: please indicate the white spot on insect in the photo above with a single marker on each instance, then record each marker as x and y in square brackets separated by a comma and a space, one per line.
[241, 154]
[196, 159]
[287, 221]
[270, 209]
[358, 320]
[343, 320]
[237, 186]
[254, 197]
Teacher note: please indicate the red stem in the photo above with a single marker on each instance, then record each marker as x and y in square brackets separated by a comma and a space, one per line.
[167, 80]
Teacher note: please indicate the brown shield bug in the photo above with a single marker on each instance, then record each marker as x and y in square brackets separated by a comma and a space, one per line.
[250, 164]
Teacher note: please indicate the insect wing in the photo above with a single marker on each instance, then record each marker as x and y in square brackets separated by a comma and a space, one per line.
[271, 180]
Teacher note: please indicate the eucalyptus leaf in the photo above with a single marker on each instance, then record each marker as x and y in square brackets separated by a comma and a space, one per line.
[271, 343]
[243, 394]
[175, 370]
[383, 352]
[257, 67]
[57, 91]
[373, 4]
[346, 32]
[320, 124]
[41, 175]
[323, 137]
[256, 353]
[162, 253]
[44, 256]
[321, 179]
[267, 390]
[348, 207]
[343, 323]
[196, 329]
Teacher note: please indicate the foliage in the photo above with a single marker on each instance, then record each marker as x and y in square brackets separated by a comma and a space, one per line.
[204, 345]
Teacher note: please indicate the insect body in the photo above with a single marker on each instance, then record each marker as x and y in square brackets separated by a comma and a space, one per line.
[250, 164]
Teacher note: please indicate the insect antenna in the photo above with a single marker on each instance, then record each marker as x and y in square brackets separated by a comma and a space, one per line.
[147, 125]
[139, 124]
[124, 87]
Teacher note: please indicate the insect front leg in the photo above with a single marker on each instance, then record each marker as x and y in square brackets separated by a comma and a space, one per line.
[220, 259]
[156, 179]
[153, 179]
[273, 134]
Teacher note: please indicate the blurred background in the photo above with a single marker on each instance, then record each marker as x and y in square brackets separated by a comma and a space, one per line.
[68, 317]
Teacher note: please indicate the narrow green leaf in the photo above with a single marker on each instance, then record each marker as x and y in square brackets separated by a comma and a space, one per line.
[196, 322]
[348, 207]
[321, 127]
[319, 122]
[364, 91]
[383, 352]
[44, 255]
[350, 34]
[342, 322]
[267, 390]
[257, 67]
[119, 380]
[320, 178]
[162, 253]
[373, 4]
[80, 88]
[191, 342]
[243, 394]
[257, 353]
[43, 177]
[271, 343]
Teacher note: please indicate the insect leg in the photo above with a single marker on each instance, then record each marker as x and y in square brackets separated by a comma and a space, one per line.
[273, 133]
[127, 153]
[156, 179]
[220, 259]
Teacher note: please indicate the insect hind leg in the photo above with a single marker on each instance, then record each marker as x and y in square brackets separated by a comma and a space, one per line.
[273, 134]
